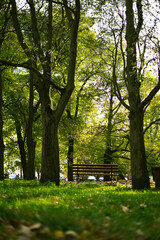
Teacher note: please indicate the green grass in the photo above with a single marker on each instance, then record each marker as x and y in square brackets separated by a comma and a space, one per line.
[29, 210]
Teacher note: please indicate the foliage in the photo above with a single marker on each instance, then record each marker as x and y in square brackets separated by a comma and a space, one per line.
[101, 34]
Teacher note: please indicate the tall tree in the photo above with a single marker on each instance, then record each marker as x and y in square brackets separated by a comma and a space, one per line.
[31, 143]
[40, 55]
[139, 36]
[4, 8]
[140, 178]
[21, 144]
[1, 133]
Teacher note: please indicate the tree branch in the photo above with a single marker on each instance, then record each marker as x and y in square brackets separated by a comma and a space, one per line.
[68, 13]
[35, 32]
[151, 95]
[62, 90]
[29, 67]
[78, 95]
[63, 4]
[18, 29]
[25, 65]
[3, 30]
[152, 123]
[140, 17]
[74, 25]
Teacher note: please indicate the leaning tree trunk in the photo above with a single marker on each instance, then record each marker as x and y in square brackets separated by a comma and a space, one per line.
[1, 134]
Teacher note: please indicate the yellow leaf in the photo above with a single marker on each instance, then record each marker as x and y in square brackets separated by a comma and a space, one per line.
[59, 234]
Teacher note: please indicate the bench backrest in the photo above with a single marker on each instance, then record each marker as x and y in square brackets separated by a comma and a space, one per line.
[95, 168]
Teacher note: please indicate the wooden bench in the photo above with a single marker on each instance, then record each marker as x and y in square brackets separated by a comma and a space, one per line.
[110, 170]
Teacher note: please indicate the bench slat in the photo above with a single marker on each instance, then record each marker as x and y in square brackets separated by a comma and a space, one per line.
[92, 165]
[95, 169]
[106, 174]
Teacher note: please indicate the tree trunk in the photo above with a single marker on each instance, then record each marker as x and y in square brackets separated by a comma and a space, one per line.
[50, 147]
[50, 119]
[1, 134]
[31, 144]
[140, 179]
[31, 159]
[70, 158]
[22, 149]
[108, 152]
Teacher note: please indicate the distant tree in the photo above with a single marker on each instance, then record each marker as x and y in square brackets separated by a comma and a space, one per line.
[20, 108]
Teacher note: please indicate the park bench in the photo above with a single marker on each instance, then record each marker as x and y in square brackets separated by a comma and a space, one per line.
[111, 170]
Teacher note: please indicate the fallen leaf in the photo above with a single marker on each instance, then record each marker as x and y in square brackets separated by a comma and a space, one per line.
[59, 234]
[71, 235]
[35, 226]
[26, 231]
[142, 205]
[139, 232]
[125, 209]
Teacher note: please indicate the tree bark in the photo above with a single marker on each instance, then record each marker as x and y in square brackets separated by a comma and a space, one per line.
[140, 177]
[70, 157]
[21, 144]
[1, 133]
[108, 152]
[4, 20]
[31, 144]
[50, 118]
[50, 147]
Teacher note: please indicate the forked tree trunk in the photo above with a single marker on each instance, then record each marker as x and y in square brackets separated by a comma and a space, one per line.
[50, 119]
[140, 177]
[1, 134]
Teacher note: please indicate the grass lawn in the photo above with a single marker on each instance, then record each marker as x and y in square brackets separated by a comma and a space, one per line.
[29, 210]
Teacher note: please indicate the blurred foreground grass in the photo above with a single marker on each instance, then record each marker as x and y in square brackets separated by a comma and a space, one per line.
[29, 210]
